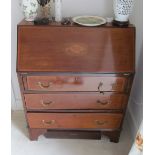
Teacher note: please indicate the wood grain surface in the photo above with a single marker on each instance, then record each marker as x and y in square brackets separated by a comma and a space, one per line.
[76, 83]
[74, 120]
[74, 101]
[75, 49]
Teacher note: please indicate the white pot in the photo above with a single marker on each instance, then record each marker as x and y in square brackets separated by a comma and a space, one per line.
[122, 9]
[58, 10]
[29, 8]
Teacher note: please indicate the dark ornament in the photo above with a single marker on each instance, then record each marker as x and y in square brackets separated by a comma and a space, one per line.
[41, 21]
[44, 20]
[120, 24]
[43, 2]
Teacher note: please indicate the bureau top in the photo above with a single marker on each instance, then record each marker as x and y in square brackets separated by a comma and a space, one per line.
[75, 48]
[55, 24]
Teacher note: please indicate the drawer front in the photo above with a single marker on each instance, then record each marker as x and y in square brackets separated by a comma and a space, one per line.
[74, 120]
[76, 83]
[74, 101]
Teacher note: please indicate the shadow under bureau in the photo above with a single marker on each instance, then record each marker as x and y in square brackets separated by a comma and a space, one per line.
[75, 81]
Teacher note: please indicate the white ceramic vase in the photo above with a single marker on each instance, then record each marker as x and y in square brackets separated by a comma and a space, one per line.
[58, 10]
[29, 8]
[122, 9]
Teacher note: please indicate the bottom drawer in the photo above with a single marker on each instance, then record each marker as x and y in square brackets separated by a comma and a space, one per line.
[74, 120]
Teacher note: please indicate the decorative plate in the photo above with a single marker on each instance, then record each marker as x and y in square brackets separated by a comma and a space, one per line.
[89, 20]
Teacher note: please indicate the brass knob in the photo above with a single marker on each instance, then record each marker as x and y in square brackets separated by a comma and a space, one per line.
[105, 102]
[98, 122]
[45, 86]
[46, 103]
[50, 122]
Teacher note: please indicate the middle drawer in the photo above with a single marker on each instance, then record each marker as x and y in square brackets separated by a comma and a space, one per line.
[75, 101]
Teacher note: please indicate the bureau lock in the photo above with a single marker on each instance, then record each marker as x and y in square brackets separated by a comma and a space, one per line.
[99, 88]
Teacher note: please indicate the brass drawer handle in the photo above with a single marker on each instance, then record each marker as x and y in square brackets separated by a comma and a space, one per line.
[103, 102]
[47, 103]
[45, 86]
[51, 122]
[101, 122]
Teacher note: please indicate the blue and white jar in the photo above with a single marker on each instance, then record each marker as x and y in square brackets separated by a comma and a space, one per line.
[29, 8]
[122, 9]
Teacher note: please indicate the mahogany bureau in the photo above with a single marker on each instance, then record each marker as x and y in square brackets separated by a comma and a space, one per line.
[75, 81]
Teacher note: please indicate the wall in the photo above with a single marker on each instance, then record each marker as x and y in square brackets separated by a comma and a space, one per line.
[16, 16]
[135, 106]
[87, 7]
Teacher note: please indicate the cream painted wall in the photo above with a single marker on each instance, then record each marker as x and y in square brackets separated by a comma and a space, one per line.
[16, 16]
[135, 106]
[87, 7]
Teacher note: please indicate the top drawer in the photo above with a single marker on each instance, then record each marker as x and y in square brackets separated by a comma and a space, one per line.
[75, 83]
